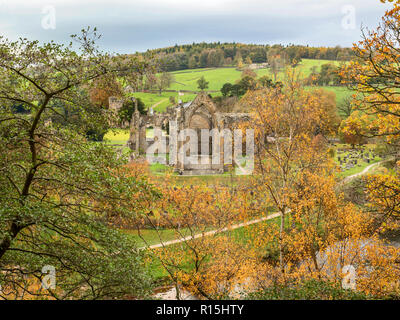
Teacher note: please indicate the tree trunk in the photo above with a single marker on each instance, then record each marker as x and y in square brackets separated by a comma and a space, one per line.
[6, 242]
[282, 228]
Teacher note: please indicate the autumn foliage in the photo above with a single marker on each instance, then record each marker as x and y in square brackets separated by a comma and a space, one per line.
[226, 247]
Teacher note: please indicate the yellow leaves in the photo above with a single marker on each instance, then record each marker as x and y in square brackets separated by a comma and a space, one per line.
[376, 73]
[322, 234]
[383, 192]
[29, 289]
[355, 127]
[380, 275]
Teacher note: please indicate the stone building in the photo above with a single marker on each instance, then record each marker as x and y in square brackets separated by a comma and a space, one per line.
[115, 104]
[201, 113]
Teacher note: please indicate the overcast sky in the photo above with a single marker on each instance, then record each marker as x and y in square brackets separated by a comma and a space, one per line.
[138, 25]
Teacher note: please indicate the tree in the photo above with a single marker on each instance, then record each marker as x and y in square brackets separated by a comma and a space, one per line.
[285, 121]
[193, 62]
[353, 129]
[151, 81]
[164, 81]
[104, 88]
[238, 60]
[374, 75]
[68, 115]
[172, 100]
[330, 120]
[309, 290]
[201, 55]
[237, 90]
[346, 107]
[246, 83]
[226, 89]
[240, 88]
[247, 72]
[318, 233]
[128, 108]
[276, 63]
[215, 58]
[203, 58]
[328, 75]
[202, 84]
[228, 61]
[265, 82]
[59, 192]
[208, 265]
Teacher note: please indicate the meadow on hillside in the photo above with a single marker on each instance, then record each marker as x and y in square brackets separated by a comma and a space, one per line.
[217, 77]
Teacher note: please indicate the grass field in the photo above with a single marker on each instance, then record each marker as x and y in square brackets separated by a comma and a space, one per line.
[121, 136]
[117, 136]
[161, 102]
[217, 77]
[340, 92]
[187, 79]
[151, 237]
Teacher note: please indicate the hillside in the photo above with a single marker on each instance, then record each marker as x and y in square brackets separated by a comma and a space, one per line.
[206, 55]
[217, 77]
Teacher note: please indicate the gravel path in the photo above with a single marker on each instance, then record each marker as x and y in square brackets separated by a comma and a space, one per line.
[245, 224]
[366, 170]
[158, 103]
[211, 233]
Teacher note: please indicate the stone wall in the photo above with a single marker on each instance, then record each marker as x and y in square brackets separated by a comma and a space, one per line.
[199, 114]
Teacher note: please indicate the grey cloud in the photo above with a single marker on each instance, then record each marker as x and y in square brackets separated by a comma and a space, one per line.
[139, 25]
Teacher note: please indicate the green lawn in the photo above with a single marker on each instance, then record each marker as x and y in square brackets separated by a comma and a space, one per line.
[117, 136]
[240, 235]
[307, 64]
[151, 237]
[358, 169]
[161, 102]
[187, 79]
[341, 92]
[217, 77]
[121, 136]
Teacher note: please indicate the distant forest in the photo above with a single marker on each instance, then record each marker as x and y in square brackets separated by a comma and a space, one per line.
[212, 55]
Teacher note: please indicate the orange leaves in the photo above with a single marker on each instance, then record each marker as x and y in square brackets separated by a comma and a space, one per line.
[202, 207]
[378, 272]
[227, 265]
[375, 75]
[103, 89]
[384, 194]
[354, 128]
[289, 111]
[209, 261]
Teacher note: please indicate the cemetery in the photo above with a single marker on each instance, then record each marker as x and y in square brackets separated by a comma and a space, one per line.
[351, 161]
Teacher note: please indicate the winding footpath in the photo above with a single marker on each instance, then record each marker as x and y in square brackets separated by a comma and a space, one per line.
[245, 224]
[158, 103]
[212, 232]
[365, 171]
